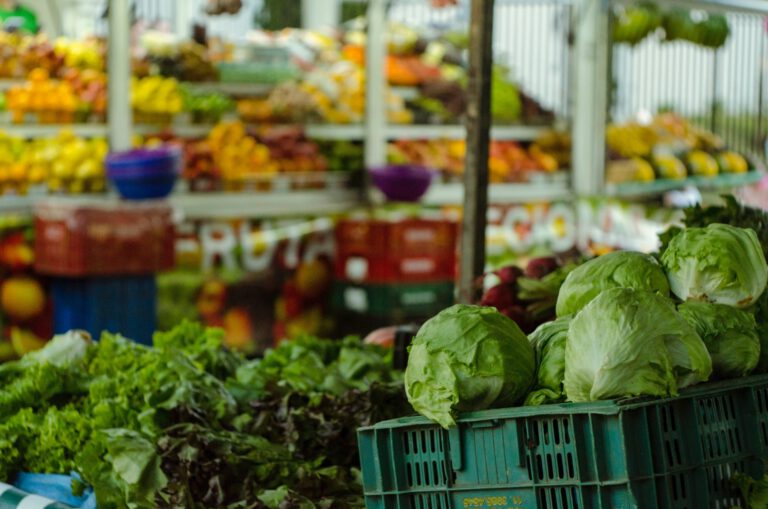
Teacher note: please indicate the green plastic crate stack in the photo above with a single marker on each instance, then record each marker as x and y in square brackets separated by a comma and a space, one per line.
[673, 453]
[393, 270]
[396, 302]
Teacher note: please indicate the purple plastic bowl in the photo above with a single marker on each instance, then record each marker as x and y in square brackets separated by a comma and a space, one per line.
[404, 182]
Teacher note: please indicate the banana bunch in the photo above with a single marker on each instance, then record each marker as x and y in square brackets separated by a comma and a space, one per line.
[237, 155]
[86, 54]
[631, 140]
[156, 95]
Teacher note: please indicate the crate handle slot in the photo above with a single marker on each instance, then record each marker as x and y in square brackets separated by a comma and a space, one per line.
[519, 439]
[454, 447]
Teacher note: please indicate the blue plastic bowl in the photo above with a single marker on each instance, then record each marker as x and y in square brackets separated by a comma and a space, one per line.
[144, 188]
[144, 173]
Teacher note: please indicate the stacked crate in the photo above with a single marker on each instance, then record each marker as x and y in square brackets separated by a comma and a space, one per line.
[102, 259]
[391, 272]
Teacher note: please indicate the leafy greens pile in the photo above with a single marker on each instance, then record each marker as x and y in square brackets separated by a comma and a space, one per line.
[626, 326]
[189, 424]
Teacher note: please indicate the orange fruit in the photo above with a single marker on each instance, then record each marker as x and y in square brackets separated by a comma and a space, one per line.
[22, 297]
[312, 279]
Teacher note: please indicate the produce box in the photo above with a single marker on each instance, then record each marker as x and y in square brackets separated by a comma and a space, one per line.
[125, 305]
[638, 453]
[254, 72]
[406, 237]
[75, 239]
[392, 267]
[392, 301]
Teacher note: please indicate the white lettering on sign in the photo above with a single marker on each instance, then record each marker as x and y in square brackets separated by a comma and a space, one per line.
[356, 268]
[356, 299]
[417, 266]
[419, 235]
[259, 248]
[219, 242]
[561, 227]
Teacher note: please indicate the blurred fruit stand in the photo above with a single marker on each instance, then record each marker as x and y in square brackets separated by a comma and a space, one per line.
[275, 136]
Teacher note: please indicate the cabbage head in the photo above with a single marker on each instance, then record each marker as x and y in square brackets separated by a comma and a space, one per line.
[548, 341]
[730, 335]
[761, 317]
[629, 342]
[467, 358]
[719, 263]
[620, 269]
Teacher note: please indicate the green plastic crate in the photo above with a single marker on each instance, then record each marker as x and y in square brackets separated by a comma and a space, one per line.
[392, 300]
[249, 72]
[676, 453]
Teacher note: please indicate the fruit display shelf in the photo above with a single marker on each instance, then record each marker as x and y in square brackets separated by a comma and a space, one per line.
[746, 6]
[231, 89]
[7, 84]
[222, 205]
[89, 130]
[356, 132]
[641, 189]
[551, 189]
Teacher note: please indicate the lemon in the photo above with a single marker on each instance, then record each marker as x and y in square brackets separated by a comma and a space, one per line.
[25, 341]
[22, 297]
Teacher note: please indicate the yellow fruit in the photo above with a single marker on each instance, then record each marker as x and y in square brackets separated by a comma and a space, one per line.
[22, 297]
[25, 341]
[312, 279]
[238, 329]
[7, 352]
[732, 162]
[670, 167]
[644, 170]
[702, 164]
[629, 170]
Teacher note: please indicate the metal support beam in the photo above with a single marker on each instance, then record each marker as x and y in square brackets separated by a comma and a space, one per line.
[119, 62]
[478, 145]
[376, 85]
[319, 14]
[590, 101]
[182, 22]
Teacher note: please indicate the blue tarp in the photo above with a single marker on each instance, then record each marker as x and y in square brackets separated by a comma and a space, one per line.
[56, 487]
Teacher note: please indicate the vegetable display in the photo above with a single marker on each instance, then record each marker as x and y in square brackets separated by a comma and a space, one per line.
[630, 342]
[719, 263]
[619, 331]
[621, 269]
[548, 341]
[189, 424]
[467, 358]
[730, 336]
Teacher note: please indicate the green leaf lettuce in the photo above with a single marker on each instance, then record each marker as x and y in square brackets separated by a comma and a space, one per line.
[729, 333]
[467, 358]
[719, 263]
[620, 269]
[629, 342]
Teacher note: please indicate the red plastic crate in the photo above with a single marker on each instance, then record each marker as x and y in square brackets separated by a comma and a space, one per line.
[395, 268]
[406, 237]
[74, 239]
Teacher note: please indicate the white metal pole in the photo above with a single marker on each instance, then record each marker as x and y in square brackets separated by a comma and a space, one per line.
[376, 85]
[590, 104]
[119, 69]
[318, 14]
[182, 23]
